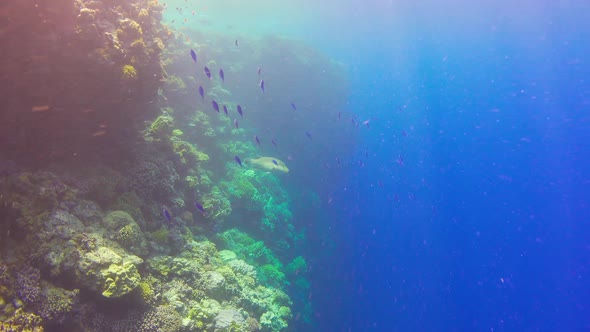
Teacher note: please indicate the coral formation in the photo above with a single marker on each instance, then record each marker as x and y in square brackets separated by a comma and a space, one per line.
[132, 180]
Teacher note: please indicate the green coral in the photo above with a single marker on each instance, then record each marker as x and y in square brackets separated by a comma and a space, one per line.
[130, 203]
[161, 128]
[56, 302]
[247, 248]
[270, 275]
[177, 133]
[117, 219]
[217, 205]
[119, 279]
[203, 313]
[161, 235]
[200, 121]
[175, 83]
[297, 265]
[146, 290]
[188, 153]
[131, 238]
[276, 320]
[105, 271]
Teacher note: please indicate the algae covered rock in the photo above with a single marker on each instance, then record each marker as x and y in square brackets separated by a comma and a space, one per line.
[117, 219]
[106, 271]
[276, 320]
[227, 319]
[227, 256]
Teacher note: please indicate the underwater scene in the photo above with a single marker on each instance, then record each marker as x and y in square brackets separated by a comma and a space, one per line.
[352, 165]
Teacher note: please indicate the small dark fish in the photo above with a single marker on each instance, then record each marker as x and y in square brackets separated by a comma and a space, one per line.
[366, 123]
[236, 123]
[293, 106]
[236, 43]
[308, 134]
[257, 140]
[200, 207]
[215, 105]
[338, 161]
[225, 110]
[194, 55]
[207, 72]
[167, 215]
[239, 109]
[404, 133]
[339, 114]
[261, 85]
[222, 75]
[258, 71]
[274, 143]
[275, 162]
[238, 160]
[201, 92]
[400, 160]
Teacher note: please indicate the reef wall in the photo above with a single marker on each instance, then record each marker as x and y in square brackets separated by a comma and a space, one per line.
[75, 75]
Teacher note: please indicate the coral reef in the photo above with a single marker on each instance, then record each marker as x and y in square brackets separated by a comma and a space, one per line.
[113, 62]
[110, 208]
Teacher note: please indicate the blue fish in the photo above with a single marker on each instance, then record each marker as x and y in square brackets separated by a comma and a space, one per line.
[274, 143]
[202, 92]
[293, 106]
[236, 123]
[238, 160]
[215, 105]
[257, 140]
[200, 207]
[222, 75]
[239, 108]
[207, 72]
[275, 162]
[339, 115]
[258, 71]
[194, 55]
[308, 134]
[261, 85]
[167, 215]
[225, 110]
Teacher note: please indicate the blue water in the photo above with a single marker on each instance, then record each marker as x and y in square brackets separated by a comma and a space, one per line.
[485, 226]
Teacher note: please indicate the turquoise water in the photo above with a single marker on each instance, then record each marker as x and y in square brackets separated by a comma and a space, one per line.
[382, 166]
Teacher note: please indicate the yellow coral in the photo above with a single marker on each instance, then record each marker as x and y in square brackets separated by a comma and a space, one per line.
[147, 292]
[128, 73]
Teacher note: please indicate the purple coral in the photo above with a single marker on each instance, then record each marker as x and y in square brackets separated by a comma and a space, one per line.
[27, 282]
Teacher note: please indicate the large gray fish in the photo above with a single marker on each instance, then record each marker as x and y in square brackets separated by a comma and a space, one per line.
[268, 164]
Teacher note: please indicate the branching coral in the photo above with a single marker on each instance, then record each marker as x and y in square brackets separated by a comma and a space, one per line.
[56, 303]
[23, 322]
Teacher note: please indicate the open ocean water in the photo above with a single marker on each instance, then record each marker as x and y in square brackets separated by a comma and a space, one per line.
[225, 165]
